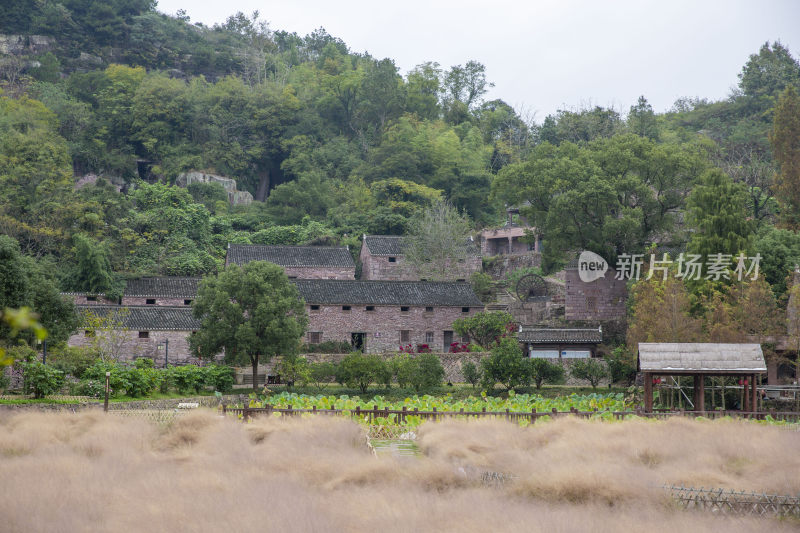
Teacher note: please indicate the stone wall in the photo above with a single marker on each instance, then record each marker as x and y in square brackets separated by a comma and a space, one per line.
[382, 326]
[378, 267]
[235, 197]
[129, 346]
[320, 272]
[501, 265]
[601, 300]
[83, 299]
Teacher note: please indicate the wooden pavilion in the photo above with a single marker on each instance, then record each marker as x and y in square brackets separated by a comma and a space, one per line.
[699, 360]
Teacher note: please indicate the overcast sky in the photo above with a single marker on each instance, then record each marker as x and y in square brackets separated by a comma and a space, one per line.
[545, 55]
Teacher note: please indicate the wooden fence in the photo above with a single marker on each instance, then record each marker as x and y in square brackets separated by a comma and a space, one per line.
[401, 415]
[732, 502]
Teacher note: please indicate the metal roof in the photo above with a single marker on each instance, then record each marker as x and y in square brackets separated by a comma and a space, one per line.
[292, 256]
[560, 335]
[701, 358]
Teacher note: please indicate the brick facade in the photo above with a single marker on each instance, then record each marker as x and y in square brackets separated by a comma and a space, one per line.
[601, 300]
[386, 261]
[383, 325]
[507, 241]
[81, 298]
[132, 347]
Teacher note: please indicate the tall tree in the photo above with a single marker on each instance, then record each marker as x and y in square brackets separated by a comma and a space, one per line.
[717, 212]
[660, 313]
[437, 241]
[785, 139]
[251, 313]
[769, 72]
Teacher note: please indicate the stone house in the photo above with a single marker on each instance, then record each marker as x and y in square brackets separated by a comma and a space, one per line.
[84, 298]
[383, 258]
[159, 332]
[600, 300]
[299, 262]
[162, 291]
[560, 343]
[379, 316]
[508, 240]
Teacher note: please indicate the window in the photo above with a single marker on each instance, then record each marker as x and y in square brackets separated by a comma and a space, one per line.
[428, 338]
[404, 309]
[345, 308]
[150, 301]
[91, 298]
[292, 277]
[144, 334]
[187, 302]
[465, 309]
[315, 337]
[331, 277]
[461, 279]
[429, 309]
[88, 333]
[405, 335]
[315, 308]
[392, 259]
[370, 308]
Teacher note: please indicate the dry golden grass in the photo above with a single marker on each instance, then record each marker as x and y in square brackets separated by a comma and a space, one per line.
[89, 472]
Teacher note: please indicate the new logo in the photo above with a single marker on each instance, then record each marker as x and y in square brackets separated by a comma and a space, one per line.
[591, 266]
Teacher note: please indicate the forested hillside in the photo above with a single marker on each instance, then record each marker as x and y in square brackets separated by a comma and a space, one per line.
[334, 144]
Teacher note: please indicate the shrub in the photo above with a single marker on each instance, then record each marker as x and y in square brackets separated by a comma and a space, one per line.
[220, 377]
[621, 365]
[402, 366]
[144, 362]
[482, 285]
[142, 382]
[328, 347]
[485, 328]
[71, 360]
[117, 382]
[41, 380]
[543, 371]
[459, 347]
[5, 380]
[426, 372]
[472, 373]
[294, 370]
[188, 378]
[321, 374]
[589, 370]
[505, 365]
[359, 370]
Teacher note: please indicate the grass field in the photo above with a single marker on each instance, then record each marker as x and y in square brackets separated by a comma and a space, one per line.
[89, 472]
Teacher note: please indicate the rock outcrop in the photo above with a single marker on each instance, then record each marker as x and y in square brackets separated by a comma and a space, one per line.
[235, 197]
[25, 44]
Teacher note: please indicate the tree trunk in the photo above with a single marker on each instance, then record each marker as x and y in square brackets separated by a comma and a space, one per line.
[254, 362]
[263, 186]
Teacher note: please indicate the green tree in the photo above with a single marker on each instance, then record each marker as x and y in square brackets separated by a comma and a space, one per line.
[93, 272]
[590, 370]
[251, 313]
[472, 373]
[437, 242]
[642, 120]
[785, 139]
[485, 328]
[427, 372]
[359, 370]
[769, 72]
[717, 211]
[506, 365]
[543, 371]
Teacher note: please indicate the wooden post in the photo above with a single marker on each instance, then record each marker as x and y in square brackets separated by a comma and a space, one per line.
[700, 402]
[648, 392]
[745, 395]
[754, 403]
[105, 402]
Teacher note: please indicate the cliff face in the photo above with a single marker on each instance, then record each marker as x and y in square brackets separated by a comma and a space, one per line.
[25, 44]
[235, 197]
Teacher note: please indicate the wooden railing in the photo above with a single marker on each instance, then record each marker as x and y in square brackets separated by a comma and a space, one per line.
[401, 415]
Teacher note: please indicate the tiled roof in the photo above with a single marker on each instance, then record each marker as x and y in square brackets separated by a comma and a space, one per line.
[411, 293]
[552, 335]
[701, 357]
[165, 287]
[384, 244]
[292, 256]
[147, 317]
[394, 245]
